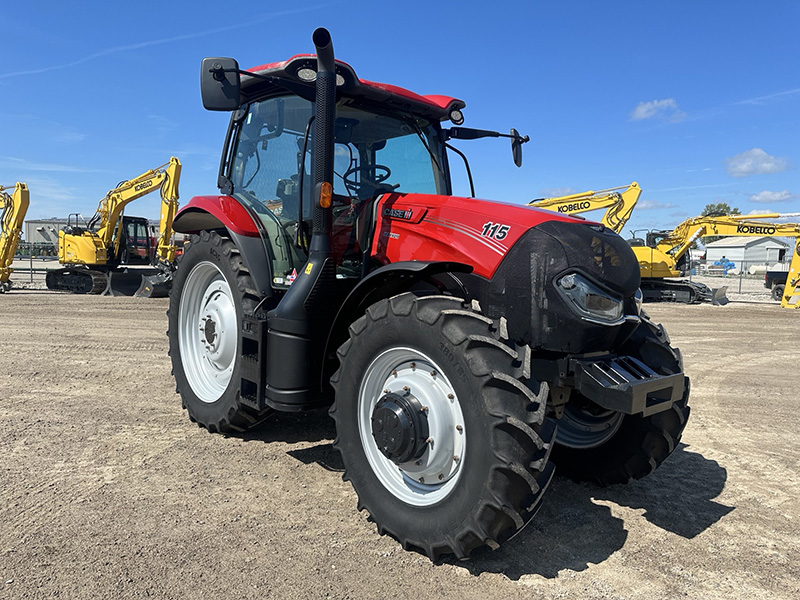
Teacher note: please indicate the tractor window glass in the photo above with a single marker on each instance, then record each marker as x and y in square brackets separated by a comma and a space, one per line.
[377, 153]
[266, 174]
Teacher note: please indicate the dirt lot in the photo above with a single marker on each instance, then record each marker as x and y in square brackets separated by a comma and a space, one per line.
[108, 491]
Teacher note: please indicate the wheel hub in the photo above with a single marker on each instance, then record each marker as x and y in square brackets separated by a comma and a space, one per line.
[209, 328]
[400, 427]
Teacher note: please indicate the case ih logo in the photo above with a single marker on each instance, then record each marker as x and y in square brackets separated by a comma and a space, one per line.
[397, 213]
[575, 206]
[755, 230]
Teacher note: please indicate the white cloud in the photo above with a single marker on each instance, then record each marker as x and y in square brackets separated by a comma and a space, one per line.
[755, 162]
[653, 205]
[766, 197]
[658, 109]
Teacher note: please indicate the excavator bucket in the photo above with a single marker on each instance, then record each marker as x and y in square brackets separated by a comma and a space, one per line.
[122, 284]
[719, 297]
[154, 286]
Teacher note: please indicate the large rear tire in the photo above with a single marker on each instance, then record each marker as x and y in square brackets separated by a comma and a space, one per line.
[210, 293]
[607, 447]
[445, 446]
[777, 292]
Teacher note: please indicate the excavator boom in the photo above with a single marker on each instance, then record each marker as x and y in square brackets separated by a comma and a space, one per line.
[13, 208]
[618, 204]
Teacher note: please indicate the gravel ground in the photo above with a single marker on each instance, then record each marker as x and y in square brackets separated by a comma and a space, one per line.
[108, 491]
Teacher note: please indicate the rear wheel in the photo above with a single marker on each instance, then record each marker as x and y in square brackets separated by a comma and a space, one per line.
[210, 293]
[445, 446]
[777, 292]
[607, 447]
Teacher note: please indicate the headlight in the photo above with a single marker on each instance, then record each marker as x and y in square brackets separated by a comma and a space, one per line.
[589, 301]
[638, 298]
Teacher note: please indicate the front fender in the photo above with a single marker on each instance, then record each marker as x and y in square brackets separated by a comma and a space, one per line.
[384, 282]
[225, 212]
[213, 212]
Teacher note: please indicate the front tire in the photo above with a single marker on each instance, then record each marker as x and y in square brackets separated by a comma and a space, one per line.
[210, 293]
[607, 447]
[445, 446]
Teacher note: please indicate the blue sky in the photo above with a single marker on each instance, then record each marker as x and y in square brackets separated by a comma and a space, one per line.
[697, 101]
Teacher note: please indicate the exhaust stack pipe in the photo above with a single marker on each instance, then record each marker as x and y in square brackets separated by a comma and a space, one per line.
[324, 116]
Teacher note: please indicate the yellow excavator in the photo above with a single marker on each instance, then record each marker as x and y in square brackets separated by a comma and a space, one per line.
[13, 208]
[94, 256]
[618, 204]
[664, 255]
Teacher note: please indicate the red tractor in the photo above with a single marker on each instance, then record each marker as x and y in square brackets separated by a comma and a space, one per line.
[464, 346]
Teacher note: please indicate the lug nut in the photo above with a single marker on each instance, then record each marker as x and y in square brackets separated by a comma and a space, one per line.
[441, 476]
[456, 458]
[413, 365]
[423, 409]
[450, 396]
[459, 428]
[422, 480]
[433, 373]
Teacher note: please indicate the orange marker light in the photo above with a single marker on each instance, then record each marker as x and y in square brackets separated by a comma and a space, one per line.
[325, 195]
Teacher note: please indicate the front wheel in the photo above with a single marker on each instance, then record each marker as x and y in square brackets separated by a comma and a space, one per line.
[207, 302]
[608, 447]
[445, 446]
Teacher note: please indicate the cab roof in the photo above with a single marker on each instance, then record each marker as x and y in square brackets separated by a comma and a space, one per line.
[298, 73]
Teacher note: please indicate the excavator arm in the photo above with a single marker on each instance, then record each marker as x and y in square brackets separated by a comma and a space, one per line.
[13, 208]
[619, 205]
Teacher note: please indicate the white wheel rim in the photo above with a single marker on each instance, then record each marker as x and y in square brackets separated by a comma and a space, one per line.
[433, 476]
[207, 331]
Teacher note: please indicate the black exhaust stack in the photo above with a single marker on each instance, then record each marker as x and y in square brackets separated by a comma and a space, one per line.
[299, 325]
[324, 117]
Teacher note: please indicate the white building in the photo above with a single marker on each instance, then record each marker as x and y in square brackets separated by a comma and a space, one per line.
[746, 251]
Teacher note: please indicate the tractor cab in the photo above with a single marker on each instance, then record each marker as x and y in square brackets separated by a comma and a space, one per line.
[375, 153]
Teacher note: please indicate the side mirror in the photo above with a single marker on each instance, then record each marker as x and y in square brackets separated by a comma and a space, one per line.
[516, 146]
[220, 84]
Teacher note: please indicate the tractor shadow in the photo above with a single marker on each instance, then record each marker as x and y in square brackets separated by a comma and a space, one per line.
[572, 530]
[313, 427]
[575, 527]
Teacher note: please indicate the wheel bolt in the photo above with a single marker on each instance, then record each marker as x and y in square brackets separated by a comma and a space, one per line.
[422, 480]
[441, 477]
[450, 396]
[423, 409]
[459, 428]
[413, 365]
[429, 441]
[433, 373]
[456, 458]
[406, 388]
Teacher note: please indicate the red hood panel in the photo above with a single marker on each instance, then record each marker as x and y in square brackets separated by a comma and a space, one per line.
[449, 228]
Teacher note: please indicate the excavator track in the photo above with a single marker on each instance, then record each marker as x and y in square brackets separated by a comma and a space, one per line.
[685, 291]
[77, 281]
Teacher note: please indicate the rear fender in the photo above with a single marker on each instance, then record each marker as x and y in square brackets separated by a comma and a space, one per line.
[384, 282]
[226, 213]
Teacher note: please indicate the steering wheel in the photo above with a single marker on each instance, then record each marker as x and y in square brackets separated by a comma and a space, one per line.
[381, 174]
